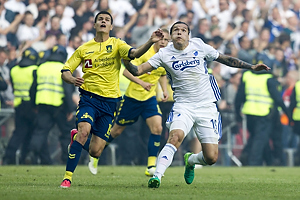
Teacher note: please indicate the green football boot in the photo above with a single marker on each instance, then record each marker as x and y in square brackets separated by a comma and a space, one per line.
[154, 182]
[189, 169]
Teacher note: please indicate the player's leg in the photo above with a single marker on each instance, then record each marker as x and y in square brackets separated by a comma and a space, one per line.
[75, 152]
[85, 116]
[154, 124]
[179, 123]
[166, 155]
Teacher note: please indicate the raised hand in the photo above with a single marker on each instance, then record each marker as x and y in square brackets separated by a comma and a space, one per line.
[259, 67]
[157, 35]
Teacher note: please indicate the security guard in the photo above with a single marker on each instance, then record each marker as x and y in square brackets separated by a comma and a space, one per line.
[53, 98]
[258, 91]
[22, 79]
[295, 111]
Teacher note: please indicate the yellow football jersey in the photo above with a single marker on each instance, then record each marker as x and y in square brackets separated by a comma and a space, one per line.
[136, 91]
[101, 64]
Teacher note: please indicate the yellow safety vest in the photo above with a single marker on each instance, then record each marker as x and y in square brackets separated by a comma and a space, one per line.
[22, 78]
[258, 100]
[296, 111]
[49, 84]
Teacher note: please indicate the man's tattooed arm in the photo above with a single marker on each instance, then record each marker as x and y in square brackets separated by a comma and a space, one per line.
[133, 69]
[233, 62]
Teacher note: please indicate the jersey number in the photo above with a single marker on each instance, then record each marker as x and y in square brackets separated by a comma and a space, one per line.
[88, 63]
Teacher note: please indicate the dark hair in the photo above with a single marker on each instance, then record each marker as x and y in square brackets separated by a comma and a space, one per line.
[179, 22]
[104, 12]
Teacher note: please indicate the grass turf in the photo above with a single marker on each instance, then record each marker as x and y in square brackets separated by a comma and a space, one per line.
[126, 182]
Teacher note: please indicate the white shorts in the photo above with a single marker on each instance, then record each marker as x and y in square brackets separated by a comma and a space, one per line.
[205, 121]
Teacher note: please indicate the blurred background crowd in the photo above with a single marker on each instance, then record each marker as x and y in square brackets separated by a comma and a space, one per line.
[266, 31]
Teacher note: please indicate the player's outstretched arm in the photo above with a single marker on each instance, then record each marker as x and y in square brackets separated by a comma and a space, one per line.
[155, 37]
[145, 85]
[235, 62]
[137, 70]
[67, 77]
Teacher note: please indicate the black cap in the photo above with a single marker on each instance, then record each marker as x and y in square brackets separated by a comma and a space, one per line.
[29, 57]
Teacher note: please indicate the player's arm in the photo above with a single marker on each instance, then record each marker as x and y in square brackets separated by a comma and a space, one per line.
[163, 83]
[137, 70]
[155, 37]
[147, 86]
[69, 78]
[234, 62]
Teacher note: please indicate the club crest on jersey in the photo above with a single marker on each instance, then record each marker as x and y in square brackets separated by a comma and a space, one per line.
[182, 65]
[109, 48]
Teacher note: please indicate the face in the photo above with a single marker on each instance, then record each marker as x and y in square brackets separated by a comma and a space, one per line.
[164, 42]
[103, 23]
[180, 34]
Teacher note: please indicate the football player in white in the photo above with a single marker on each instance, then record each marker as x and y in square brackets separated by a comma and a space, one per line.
[195, 94]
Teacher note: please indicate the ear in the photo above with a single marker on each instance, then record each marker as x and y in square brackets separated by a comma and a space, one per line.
[111, 27]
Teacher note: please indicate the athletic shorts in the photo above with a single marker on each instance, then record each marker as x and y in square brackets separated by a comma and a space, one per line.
[97, 111]
[130, 109]
[205, 121]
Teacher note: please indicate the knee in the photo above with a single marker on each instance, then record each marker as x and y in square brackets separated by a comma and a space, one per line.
[176, 138]
[156, 130]
[211, 159]
[95, 153]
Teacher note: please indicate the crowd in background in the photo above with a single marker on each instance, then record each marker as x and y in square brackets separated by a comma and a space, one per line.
[266, 31]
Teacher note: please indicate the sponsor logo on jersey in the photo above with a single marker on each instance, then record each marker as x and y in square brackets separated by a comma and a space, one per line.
[182, 65]
[88, 63]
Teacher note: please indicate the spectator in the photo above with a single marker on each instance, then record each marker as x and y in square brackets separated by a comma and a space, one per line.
[119, 9]
[17, 6]
[274, 24]
[45, 44]
[9, 22]
[244, 52]
[224, 15]
[27, 33]
[55, 26]
[203, 30]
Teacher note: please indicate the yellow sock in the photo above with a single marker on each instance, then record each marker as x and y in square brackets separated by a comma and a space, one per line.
[151, 161]
[68, 175]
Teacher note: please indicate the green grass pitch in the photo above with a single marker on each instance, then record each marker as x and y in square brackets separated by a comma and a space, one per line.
[126, 182]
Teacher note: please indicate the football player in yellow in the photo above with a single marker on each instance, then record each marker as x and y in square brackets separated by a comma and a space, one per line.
[140, 100]
[99, 87]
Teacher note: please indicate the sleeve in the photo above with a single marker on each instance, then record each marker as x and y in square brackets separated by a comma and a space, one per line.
[211, 54]
[68, 101]
[3, 84]
[240, 98]
[73, 62]
[272, 84]
[124, 49]
[293, 102]
[156, 61]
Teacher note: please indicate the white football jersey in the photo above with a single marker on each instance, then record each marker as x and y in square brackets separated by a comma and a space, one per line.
[187, 71]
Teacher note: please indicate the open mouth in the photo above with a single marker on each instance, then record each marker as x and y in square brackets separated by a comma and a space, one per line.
[103, 26]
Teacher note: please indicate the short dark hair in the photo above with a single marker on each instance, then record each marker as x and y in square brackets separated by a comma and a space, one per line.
[104, 12]
[179, 22]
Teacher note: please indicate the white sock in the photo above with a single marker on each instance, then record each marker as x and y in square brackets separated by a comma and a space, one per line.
[197, 159]
[165, 159]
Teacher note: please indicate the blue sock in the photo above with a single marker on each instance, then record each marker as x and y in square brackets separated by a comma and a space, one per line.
[74, 155]
[153, 145]
[110, 139]
[87, 145]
